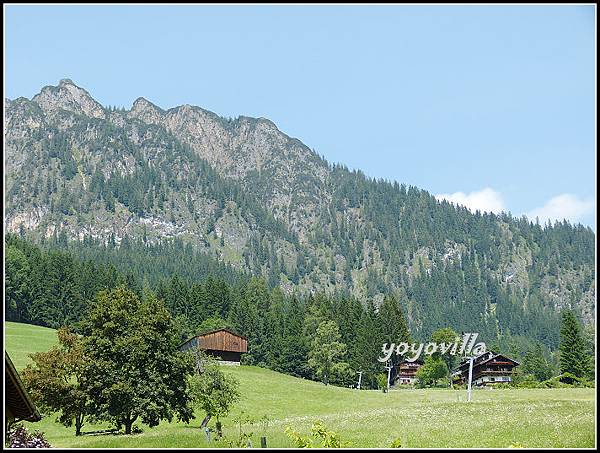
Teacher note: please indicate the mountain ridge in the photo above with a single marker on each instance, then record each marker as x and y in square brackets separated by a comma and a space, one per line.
[245, 192]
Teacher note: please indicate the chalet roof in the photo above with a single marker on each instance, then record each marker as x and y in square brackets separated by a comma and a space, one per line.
[476, 359]
[17, 400]
[417, 361]
[484, 358]
[496, 356]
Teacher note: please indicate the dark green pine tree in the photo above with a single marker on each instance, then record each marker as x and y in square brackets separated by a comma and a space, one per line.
[295, 344]
[394, 328]
[535, 363]
[573, 357]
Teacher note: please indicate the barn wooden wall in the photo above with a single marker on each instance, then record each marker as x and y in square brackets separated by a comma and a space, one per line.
[223, 341]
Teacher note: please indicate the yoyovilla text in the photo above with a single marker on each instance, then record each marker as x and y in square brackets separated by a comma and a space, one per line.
[411, 352]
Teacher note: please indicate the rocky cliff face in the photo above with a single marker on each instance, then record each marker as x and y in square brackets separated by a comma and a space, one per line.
[247, 193]
[248, 150]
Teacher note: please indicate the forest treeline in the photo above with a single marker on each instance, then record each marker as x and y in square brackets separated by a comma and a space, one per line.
[52, 286]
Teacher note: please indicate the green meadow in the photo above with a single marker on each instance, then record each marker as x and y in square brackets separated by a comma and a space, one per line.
[420, 418]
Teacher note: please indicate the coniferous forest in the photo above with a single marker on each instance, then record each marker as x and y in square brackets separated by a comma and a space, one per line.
[54, 284]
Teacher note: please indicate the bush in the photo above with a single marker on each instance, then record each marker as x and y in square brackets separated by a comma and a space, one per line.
[244, 438]
[396, 443]
[443, 383]
[570, 379]
[19, 437]
[329, 439]
[382, 382]
[528, 382]
[564, 380]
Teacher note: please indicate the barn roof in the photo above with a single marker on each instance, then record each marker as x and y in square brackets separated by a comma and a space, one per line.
[16, 398]
[208, 332]
[221, 330]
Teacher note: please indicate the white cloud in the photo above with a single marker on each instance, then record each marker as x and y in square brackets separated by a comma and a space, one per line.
[564, 206]
[486, 200]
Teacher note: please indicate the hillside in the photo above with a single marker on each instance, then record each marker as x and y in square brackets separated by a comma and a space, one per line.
[244, 193]
[23, 339]
[366, 418]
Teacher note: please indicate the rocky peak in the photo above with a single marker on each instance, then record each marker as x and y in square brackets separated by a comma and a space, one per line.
[70, 97]
[145, 111]
[65, 82]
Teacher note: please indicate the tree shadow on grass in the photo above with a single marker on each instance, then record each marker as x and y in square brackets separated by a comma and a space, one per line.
[101, 432]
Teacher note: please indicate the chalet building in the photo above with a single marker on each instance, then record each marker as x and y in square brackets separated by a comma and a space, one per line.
[407, 371]
[17, 403]
[223, 344]
[489, 368]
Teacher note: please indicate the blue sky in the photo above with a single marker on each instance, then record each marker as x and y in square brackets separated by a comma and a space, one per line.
[489, 106]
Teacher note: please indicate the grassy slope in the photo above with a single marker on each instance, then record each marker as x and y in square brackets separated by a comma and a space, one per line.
[23, 339]
[421, 418]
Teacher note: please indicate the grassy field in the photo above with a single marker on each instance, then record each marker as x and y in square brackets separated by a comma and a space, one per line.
[420, 418]
[23, 339]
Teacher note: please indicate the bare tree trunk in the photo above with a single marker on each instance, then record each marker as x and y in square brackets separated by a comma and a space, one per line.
[205, 421]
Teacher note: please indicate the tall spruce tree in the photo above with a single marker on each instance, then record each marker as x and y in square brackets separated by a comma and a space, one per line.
[573, 356]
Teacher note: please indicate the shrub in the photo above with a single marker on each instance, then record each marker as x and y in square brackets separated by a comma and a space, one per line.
[396, 443]
[244, 438]
[329, 439]
[19, 437]
[382, 382]
[528, 382]
[570, 379]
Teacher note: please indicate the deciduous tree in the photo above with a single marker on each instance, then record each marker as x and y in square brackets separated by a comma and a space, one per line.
[326, 351]
[215, 392]
[55, 381]
[135, 370]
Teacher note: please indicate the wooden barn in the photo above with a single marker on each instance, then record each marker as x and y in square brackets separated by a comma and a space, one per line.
[224, 344]
[489, 368]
